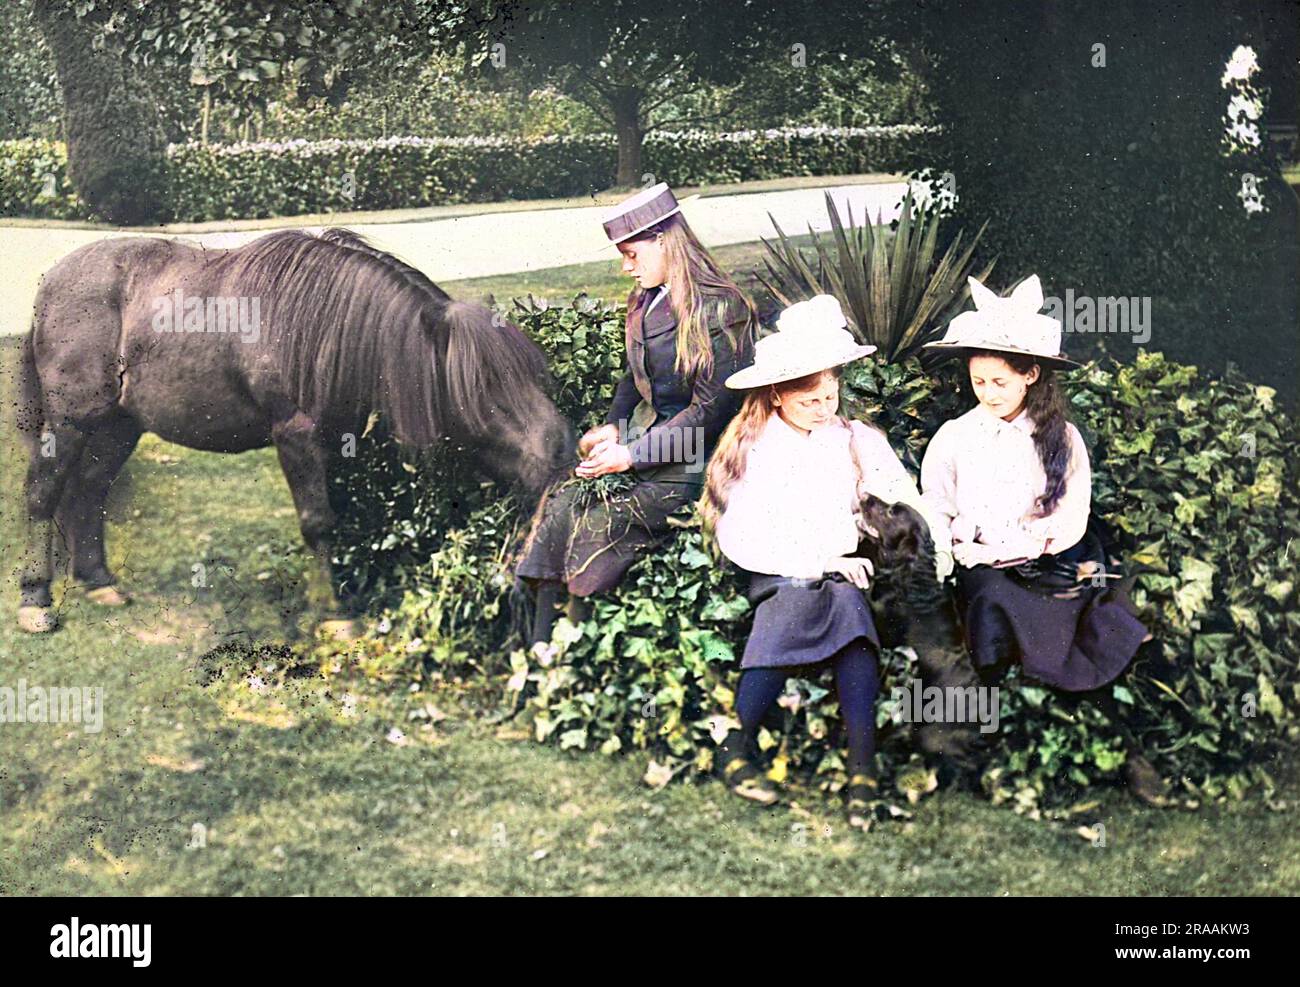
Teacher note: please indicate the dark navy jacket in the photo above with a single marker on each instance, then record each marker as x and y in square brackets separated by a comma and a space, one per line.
[688, 414]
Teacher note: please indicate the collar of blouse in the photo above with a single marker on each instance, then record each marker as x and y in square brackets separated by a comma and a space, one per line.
[783, 431]
[995, 423]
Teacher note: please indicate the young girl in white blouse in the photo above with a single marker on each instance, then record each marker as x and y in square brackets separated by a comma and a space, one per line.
[780, 499]
[1011, 479]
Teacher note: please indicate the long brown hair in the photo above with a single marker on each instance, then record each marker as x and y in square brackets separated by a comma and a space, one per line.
[731, 455]
[696, 285]
[1045, 404]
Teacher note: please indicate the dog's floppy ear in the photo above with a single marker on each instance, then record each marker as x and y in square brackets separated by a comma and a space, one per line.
[873, 527]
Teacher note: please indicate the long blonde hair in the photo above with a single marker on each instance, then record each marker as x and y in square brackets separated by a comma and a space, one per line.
[696, 282]
[731, 455]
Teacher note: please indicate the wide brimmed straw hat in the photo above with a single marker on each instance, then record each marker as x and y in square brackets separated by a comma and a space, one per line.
[1007, 325]
[810, 336]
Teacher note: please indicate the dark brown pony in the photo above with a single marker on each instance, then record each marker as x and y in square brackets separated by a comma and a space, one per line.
[292, 340]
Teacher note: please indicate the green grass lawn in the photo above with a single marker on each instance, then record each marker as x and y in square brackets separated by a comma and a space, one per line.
[602, 279]
[297, 785]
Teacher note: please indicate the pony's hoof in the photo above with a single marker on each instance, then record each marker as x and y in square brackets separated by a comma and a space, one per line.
[340, 630]
[107, 596]
[37, 620]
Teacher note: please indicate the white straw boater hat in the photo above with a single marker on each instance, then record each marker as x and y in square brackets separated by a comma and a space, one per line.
[1007, 325]
[810, 336]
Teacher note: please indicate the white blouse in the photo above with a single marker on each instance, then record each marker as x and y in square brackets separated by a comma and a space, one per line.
[795, 509]
[983, 475]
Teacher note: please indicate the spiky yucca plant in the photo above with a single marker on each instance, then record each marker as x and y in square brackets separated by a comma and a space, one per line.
[896, 297]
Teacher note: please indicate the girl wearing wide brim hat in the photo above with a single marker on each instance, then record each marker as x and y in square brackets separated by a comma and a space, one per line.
[1011, 479]
[688, 328]
[780, 500]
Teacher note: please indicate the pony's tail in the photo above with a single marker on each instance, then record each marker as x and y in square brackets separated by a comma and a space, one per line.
[522, 606]
[31, 411]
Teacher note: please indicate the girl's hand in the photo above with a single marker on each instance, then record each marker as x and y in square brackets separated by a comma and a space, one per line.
[606, 457]
[595, 436]
[971, 554]
[857, 571]
[964, 529]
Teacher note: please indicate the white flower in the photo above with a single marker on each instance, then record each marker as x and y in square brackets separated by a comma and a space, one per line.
[1251, 199]
[1246, 133]
[545, 653]
[302, 148]
[1241, 66]
[1242, 105]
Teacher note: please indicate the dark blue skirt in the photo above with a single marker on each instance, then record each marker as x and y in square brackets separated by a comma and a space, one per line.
[803, 621]
[1073, 645]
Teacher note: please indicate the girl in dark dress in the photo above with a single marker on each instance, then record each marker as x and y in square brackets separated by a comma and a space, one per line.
[1011, 479]
[689, 327]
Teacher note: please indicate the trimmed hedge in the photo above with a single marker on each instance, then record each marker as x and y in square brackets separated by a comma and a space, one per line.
[1192, 473]
[247, 181]
[34, 181]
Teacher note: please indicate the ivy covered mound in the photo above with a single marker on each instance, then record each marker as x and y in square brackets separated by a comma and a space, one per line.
[1191, 473]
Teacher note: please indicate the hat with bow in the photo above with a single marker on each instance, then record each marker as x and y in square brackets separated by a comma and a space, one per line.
[810, 336]
[1007, 325]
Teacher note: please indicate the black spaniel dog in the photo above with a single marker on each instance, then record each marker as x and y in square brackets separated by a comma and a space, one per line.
[911, 607]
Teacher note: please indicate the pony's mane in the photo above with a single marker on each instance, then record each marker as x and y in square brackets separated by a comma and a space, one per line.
[352, 330]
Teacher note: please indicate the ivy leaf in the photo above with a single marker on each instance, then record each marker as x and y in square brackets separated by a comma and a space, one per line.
[1190, 508]
[725, 610]
[1269, 701]
[1244, 617]
[693, 558]
[1279, 590]
[1151, 555]
[1197, 588]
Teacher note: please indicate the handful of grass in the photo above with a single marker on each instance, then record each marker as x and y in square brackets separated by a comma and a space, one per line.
[601, 490]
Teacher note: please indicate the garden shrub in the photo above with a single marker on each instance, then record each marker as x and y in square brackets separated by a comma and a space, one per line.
[1192, 473]
[283, 178]
[34, 181]
[1101, 165]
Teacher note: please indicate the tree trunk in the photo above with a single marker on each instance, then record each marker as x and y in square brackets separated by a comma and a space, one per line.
[627, 125]
[116, 145]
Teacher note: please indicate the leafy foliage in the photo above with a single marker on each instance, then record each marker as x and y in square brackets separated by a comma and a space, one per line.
[294, 177]
[1192, 472]
[627, 60]
[1100, 166]
[896, 296]
[238, 48]
[34, 181]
